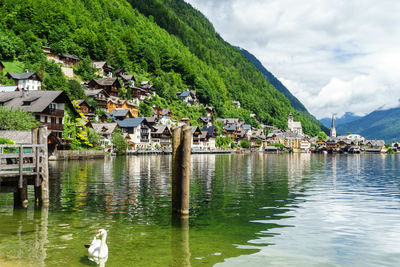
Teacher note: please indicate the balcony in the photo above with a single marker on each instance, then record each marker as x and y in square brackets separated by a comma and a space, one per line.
[54, 112]
[54, 126]
[144, 140]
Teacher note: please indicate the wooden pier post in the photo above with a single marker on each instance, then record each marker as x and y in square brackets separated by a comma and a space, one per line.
[181, 157]
[42, 139]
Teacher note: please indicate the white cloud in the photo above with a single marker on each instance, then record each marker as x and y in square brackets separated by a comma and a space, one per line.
[335, 56]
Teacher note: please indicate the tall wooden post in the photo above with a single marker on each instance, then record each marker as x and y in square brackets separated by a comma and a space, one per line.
[45, 165]
[36, 151]
[181, 157]
[186, 158]
[176, 170]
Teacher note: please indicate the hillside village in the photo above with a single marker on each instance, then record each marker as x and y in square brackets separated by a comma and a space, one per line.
[105, 111]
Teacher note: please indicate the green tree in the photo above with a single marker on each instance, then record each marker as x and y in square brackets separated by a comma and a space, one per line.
[244, 144]
[85, 69]
[16, 119]
[93, 136]
[75, 90]
[119, 142]
[145, 110]
[322, 135]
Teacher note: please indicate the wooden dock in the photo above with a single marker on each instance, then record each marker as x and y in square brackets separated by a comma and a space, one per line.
[23, 165]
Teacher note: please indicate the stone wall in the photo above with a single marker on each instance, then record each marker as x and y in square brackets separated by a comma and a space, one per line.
[77, 154]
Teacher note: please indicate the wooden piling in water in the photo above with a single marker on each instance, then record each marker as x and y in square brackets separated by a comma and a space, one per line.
[42, 139]
[181, 157]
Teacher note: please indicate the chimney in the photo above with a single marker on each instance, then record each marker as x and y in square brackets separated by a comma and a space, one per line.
[26, 70]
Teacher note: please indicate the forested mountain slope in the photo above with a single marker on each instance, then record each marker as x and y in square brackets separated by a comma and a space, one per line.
[181, 50]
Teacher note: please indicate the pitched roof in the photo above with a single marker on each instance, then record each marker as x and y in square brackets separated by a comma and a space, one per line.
[159, 129]
[119, 112]
[23, 75]
[209, 129]
[246, 127]
[105, 81]
[183, 93]
[38, 100]
[69, 56]
[204, 134]
[8, 88]
[99, 64]
[152, 119]
[104, 128]
[230, 128]
[131, 122]
[90, 92]
[126, 77]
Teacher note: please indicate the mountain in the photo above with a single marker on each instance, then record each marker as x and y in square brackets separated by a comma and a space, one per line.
[347, 117]
[379, 124]
[296, 104]
[166, 42]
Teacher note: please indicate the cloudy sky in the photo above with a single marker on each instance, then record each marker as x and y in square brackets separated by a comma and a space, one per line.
[334, 56]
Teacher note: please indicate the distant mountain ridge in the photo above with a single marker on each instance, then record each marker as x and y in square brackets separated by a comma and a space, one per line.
[296, 104]
[347, 117]
[379, 124]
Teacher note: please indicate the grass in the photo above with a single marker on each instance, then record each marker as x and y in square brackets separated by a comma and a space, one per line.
[13, 66]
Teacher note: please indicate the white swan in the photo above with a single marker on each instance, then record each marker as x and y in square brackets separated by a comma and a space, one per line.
[98, 248]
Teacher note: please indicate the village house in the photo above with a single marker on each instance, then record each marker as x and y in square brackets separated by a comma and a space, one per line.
[103, 69]
[187, 96]
[205, 121]
[28, 81]
[236, 103]
[210, 111]
[161, 137]
[152, 120]
[87, 109]
[212, 135]
[127, 79]
[275, 137]
[50, 55]
[122, 104]
[292, 140]
[229, 121]
[109, 85]
[98, 95]
[105, 131]
[148, 88]
[69, 59]
[137, 131]
[231, 131]
[196, 133]
[47, 106]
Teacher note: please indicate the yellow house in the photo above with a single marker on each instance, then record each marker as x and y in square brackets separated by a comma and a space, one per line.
[122, 104]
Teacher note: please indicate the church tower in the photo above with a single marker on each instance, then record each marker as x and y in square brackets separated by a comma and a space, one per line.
[290, 121]
[333, 130]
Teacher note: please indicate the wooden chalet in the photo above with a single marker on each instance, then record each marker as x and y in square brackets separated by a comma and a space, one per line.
[29, 81]
[122, 104]
[161, 135]
[87, 109]
[47, 106]
[127, 79]
[117, 114]
[98, 95]
[196, 135]
[69, 59]
[109, 85]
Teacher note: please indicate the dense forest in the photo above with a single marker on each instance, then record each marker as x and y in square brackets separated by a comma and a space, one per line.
[167, 42]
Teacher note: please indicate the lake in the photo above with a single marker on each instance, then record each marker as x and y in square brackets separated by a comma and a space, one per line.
[246, 210]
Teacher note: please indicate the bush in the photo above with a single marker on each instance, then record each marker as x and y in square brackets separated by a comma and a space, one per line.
[94, 137]
[119, 142]
[244, 144]
[279, 145]
[16, 120]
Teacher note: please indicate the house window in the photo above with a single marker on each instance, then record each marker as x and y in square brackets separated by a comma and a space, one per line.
[60, 120]
[53, 106]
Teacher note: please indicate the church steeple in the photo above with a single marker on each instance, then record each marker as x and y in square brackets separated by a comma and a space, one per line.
[333, 130]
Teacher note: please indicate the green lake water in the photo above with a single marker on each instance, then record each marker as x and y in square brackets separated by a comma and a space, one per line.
[246, 210]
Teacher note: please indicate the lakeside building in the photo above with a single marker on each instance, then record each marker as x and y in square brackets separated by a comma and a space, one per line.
[294, 126]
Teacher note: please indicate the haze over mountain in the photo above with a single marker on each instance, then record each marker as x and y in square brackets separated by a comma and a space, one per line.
[379, 124]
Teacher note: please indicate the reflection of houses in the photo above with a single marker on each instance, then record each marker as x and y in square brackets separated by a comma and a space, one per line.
[47, 106]
[109, 85]
[26, 80]
[98, 95]
[161, 136]
[187, 96]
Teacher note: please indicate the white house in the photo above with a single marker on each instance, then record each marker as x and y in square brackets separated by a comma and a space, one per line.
[28, 81]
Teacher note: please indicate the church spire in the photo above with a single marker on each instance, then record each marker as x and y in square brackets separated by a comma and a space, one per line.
[333, 130]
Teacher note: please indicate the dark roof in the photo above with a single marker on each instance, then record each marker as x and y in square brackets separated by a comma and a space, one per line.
[246, 127]
[204, 134]
[152, 119]
[93, 92]
[38, 100]
[230, 128]
[126, 77]
[204, 119]
[183, 93]
[23, 75]
[132, 122]
[119, 112]
[159, 129]
[64, 55]
[209, 129]
[104, 128]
